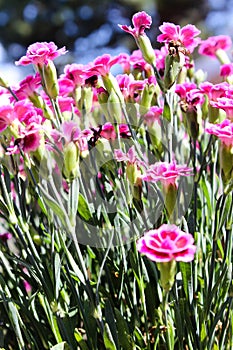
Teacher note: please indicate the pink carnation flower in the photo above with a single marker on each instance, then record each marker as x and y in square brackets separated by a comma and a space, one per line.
[210, 46]
[226, 70]
[141, 21]
[224, 131]
[41, 53]
[185, 36]
[166, 172]
[226, 104]
[167, 243]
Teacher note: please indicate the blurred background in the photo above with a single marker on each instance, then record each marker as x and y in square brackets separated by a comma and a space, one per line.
[89, 28]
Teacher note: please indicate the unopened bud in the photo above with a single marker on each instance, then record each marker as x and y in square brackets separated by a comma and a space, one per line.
[146, 48]
[71, 160]
[49, 76]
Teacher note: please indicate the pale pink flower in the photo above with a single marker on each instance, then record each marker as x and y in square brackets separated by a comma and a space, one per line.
[153, 115]
[130, 156]
[167, 243]
[210, 46]
[26, 113]
[141, 21]
[166, 172]
[76, 73]
[41, 53]
[223, 130]
[185, 36]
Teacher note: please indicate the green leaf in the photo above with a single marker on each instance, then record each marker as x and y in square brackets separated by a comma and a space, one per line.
[123, 331]
[57, 274]
[80, 340]
[109, 316]
[108, 339]
[83, 208]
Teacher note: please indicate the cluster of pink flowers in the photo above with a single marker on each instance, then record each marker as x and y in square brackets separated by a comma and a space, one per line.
[49, 111]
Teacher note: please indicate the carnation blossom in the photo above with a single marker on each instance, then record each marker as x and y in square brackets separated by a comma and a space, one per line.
[141, 21]
[226, 104]
[166, 172]
[223, 130]
[185, 36]
[167, 243]
[226, 69]
[210, 46]
[40, 53]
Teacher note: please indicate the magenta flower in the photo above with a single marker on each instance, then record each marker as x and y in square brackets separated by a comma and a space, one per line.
[28, 86]
[166, 172]
[141, 21]
[4, 236]
[226, 69]
[29, 141]
[167, 243]
[223, 130]
[185, 36]
[210, 46]
[108, 132]
[6, 116]
[226, 104]
[153, 115]
[102, 65]
[41, 53]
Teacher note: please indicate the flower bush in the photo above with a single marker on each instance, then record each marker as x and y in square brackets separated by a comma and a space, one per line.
[116, 199]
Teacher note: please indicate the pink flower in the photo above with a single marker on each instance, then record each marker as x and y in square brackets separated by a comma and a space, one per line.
[5, 236]
[226, 69]
[129, 86]
[108, 132]
[102, 65]
[41, 53]
[6, 116]
[28, 86]
[130, 156]
[185, 36]
[29, 141]
[210, 46]
[166, 172]
[224, 131]
[226, 104]
[153, 115]
[167, 243]
[141, 21]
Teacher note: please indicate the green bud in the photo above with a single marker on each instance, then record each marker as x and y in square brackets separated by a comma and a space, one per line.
[226, 162]
[114, 107]
[146, 48]
[71, 160]
[146, 99]
[167, 274]
[132, 173]
[49, 77]
[170, 197]
[173, 65]
[111, 84]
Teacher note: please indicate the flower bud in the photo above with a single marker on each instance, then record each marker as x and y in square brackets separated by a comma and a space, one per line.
[146, 48]
[132, 172]
[114, 107]
[146, 99]
[167, 274]
[173, 65]
[71, 160]
[49, 77]
[170, 196]
[226, 162]
[111, 84]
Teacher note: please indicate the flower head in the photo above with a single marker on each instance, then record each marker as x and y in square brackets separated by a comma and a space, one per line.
[167, 243]
[166, 172]
[210, 46]
[41, 53]
[141, 21]
[186, 36]
[224, 131]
